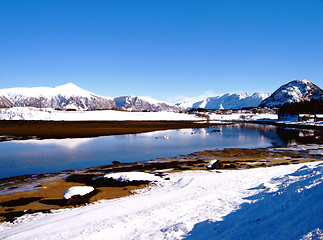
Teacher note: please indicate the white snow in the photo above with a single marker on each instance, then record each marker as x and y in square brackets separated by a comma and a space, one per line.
[136, 103]
[132, 176]
[312, 149]
[77, 190]
[231, 101]
[152, 100]
[301, 123]
[185, 104]
[242, 116]
[283, 202]
[28, 113]
[294, 91]
[70, 96]
[68, 89]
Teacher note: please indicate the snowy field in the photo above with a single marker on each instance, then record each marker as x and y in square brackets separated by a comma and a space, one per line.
[27, 113]
[283, 202]
[243, 116]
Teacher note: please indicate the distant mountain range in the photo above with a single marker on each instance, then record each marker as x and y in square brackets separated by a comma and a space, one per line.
[294, 91]
[68, 96]
[72, 97]
[231, 101]
[134, 103]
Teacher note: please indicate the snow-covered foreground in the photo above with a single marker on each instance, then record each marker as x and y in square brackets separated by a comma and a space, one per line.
[28, 113]
[284, 202]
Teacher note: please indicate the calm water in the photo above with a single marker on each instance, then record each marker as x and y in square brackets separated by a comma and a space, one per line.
[52, 155]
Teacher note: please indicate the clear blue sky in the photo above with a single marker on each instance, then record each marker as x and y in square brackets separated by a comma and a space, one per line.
[166, 49]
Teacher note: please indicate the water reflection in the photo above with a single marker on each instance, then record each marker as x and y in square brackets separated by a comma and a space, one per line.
[69, 143]
[52, 155]
[301, 136]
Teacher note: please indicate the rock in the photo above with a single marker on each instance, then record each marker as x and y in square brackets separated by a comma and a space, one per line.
[230, 166]
[214, 164]
[79, 195]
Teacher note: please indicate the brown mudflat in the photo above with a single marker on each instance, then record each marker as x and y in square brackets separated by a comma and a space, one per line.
[68, 129]
[47, 189]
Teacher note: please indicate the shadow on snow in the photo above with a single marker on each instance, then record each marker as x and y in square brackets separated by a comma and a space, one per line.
[292, 210]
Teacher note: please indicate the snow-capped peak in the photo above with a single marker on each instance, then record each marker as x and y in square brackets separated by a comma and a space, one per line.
[68, 86]
[231, 101]
[71, 89]
[135, 103]
[67, 96]
[71, 97]
[305, 81]
[294, 91]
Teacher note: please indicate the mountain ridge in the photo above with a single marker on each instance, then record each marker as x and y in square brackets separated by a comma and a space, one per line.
[229, 101]
[294, 91]
[71, 97]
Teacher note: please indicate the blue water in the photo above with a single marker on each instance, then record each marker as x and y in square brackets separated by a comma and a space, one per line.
[53, 155]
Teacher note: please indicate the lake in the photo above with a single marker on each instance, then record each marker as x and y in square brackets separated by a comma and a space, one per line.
[19, 157]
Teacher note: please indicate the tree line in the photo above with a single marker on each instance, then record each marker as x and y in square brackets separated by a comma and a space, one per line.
[307, 107]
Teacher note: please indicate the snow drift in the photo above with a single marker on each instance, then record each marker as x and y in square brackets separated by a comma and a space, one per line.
[283, 202]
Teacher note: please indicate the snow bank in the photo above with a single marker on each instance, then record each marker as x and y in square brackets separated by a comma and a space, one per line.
[312, 149]
[78, 190]
[242, 116]
[283, 202]
[132, 176]
[27, 113]
[306, 123]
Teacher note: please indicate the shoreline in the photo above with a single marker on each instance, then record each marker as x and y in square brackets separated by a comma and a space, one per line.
[289, 125]
[43, 192]
[46, 129]
[76, 129]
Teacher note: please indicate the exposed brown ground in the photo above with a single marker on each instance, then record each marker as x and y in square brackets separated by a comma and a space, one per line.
[68, 129]
[46, 195]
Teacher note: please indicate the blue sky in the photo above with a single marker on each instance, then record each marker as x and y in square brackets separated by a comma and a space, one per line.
[167, 49]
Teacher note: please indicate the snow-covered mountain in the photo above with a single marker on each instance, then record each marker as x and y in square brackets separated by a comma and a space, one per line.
[184, 105]
[294, 91]
[135, 103]
[68, 96]
[4, 102]
[231, 101]
[72, 97]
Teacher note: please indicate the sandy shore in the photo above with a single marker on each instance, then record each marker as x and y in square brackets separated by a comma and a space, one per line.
[42, 193]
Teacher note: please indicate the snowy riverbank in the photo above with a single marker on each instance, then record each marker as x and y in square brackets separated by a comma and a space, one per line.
[48, 114]
[282, 202]
[27, 113]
